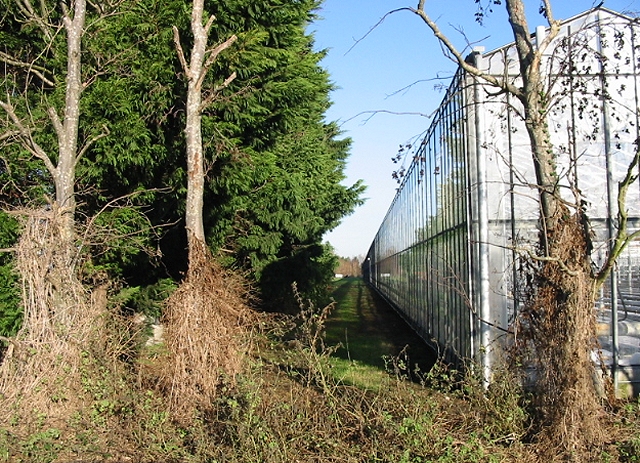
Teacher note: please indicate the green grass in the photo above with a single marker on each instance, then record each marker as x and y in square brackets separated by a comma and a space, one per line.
[371, 334]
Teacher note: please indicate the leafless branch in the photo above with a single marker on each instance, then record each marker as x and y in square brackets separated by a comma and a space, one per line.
[549, 13]
[470, 44]
[622, 237]
[213, 54]
[57, 123]
[41, 20]
[44, 12]
[37, 70]
[385, 111]
[373, 28]
[9, 134]
[91, 141]
[419, 81]
[207, 26]
[226, 82]
[113, 203]
[554, 29]
[462, 62]
[66, 19]
[183, 61]
[212, 96]
[27, 140]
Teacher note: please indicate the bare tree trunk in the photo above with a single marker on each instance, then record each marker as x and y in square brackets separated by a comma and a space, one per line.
[200, 61]
[560, 315]
[193, 130]
[559, 322]
[533, 98]
[201, 328]
[61, 321]
[67, 130]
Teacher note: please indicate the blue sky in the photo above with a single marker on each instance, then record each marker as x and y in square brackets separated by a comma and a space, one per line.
[398, 67]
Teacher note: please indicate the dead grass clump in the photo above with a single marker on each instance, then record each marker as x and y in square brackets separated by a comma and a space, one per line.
[557, 340]
[62, 321]
[205, 320]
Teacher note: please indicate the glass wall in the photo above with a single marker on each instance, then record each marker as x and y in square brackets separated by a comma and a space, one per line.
[446, 254]
[420, 258]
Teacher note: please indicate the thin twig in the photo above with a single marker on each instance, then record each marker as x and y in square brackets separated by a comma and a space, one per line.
[385, 111]
[90, 143]
[27, 140]
[373, 28]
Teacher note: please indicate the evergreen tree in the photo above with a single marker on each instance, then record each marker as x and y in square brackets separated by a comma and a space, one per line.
[273, 164]
[277, 191]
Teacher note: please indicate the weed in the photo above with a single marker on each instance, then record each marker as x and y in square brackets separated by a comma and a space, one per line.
[293, 404]
[309, 344]
[630, 450]
[43, 446]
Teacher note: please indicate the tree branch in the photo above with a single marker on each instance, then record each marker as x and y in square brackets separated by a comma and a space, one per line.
[183, 61]
[459, 58]
[385, 111]
[419, 81]
[213, 54]
[28, 11]
[66, 19]
[554, 29]
[37, 70]
[57, 123]
[90, 143]
[27, 140]
[622, 238]
[9, 134]
[207, 101]
[374, 27]
[207, 26]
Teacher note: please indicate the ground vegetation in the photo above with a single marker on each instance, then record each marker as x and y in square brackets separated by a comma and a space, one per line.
[310, 396]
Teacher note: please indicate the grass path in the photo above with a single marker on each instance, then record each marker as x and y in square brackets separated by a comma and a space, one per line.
[369, 330]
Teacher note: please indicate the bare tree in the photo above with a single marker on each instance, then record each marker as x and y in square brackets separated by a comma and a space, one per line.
[196, 70]
[62, 163]
[349, 266]
[52, 293]
[559, 317]
[62, 320]
[203, 316]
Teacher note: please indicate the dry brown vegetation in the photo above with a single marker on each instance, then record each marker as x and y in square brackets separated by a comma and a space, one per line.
[64, 326]
[570, 413]
[206, 320]
[284, 401]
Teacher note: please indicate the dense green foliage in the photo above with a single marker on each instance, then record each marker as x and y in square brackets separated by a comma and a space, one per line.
[10, 313]
[274, 163]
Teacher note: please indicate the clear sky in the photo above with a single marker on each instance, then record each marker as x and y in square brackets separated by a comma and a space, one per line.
[398, 67]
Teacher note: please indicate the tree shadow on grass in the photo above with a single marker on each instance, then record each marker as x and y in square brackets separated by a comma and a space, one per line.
[370, 330]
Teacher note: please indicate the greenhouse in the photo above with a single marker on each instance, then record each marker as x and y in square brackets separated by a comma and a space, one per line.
[447, 253]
